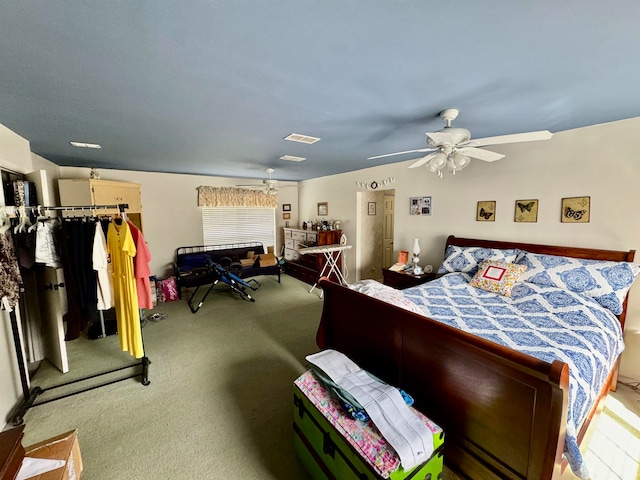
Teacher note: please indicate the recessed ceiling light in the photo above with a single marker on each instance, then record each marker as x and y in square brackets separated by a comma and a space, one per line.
[292, 158]
[296, 137]
[85, 145]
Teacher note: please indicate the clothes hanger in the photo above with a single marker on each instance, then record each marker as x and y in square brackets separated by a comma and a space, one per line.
[24, 222]
[39, 218]
[5, 221]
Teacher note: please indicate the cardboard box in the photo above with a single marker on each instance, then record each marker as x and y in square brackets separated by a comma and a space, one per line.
[247, 262]
[63, 447]
[11, 452]
[268, 260]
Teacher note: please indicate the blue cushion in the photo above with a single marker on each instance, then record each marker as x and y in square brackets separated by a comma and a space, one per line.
[193, 260]
[605, 281]
[468, 259]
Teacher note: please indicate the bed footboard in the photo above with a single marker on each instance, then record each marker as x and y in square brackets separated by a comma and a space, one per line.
[503, 412]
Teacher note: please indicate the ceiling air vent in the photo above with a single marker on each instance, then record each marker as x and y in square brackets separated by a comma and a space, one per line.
[292, 158]
[296, 137]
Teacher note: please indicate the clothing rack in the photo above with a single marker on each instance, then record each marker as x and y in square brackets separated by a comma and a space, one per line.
[30, 396]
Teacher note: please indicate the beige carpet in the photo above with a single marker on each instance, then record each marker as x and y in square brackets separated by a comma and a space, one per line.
[220, 400]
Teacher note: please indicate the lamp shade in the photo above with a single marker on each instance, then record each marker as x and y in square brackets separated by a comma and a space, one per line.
[437, 162]
[460, 161]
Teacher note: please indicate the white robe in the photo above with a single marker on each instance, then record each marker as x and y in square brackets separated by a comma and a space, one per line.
[102, 265]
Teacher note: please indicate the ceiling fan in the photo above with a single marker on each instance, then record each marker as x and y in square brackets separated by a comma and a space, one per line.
[453, 147]
[268, 185]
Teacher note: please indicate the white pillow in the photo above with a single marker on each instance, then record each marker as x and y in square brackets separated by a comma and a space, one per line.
[605, 281]
[468, 259]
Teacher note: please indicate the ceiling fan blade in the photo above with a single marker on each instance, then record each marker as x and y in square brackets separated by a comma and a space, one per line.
[514, 138]
[401, 153]
[480, 154]
[422, 161]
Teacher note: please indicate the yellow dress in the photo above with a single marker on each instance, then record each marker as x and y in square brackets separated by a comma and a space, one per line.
[122, 249]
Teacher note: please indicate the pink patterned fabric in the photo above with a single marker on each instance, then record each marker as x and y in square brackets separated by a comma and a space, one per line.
[364, 437]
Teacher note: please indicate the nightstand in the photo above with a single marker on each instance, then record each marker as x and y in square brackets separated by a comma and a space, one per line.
[402, 280]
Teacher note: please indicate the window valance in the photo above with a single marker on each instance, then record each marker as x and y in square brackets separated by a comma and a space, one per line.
[234, 197]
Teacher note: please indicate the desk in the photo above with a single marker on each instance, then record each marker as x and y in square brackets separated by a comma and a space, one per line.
[401, 280]
[331, 254]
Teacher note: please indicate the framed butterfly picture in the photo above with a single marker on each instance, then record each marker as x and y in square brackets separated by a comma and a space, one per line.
[486, 211]
[526, 211]
[576, 210]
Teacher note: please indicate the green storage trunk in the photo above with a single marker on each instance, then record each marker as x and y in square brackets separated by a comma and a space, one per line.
[327, 453]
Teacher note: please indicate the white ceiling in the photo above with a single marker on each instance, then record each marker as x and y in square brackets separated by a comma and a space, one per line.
[213, 87]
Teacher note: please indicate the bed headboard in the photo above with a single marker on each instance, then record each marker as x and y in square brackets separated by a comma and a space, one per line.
[575, 252]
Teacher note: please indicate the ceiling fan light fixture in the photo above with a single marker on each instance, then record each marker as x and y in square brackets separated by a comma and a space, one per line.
[437, 162]
[459, 160]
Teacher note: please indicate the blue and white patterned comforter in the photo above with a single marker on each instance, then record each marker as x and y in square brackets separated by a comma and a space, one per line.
[545, 322]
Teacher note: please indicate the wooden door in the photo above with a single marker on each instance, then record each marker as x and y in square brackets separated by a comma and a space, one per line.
[52, 304]
[51, 297]
[387, 230]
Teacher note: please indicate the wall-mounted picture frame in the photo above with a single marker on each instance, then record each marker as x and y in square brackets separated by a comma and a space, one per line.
[526, 211]
[576, 210]
[486, 211]
[286, 207]
[371, 208]
[286, 216]
[323, 208]
[420, 206]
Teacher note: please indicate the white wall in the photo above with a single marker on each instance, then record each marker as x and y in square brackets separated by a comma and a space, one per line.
[599, 161]
[170, 214]
[15, 155]
[15, 151]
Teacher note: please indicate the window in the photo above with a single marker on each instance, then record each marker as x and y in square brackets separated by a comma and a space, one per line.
[224, 225]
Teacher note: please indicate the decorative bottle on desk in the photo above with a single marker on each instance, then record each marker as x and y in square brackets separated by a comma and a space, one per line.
[417, 269]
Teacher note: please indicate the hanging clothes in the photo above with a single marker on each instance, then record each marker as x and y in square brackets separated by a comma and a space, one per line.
[46, 249]
[102, 266]
[141, 268]
[10, 278]
[122, 249]
[75, 238]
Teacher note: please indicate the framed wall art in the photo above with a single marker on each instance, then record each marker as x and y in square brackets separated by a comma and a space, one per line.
[420, 206]
[286, 207]
[323, 208]
[286, 216]
[372, 208]
[486, 211]
[576, 210]
[526, 211]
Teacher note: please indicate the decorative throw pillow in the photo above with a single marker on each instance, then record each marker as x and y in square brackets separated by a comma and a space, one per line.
[467, 259]
[497, 277]
[605, 281]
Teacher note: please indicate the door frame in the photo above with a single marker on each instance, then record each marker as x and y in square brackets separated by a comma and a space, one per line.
[362, 198]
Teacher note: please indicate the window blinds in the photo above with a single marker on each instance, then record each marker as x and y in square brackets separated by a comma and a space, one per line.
[225, 225]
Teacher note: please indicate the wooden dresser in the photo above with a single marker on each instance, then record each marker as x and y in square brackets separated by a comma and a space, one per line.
[307, 267]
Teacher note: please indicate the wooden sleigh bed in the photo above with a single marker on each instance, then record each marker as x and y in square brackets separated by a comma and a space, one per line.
[503, 412]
